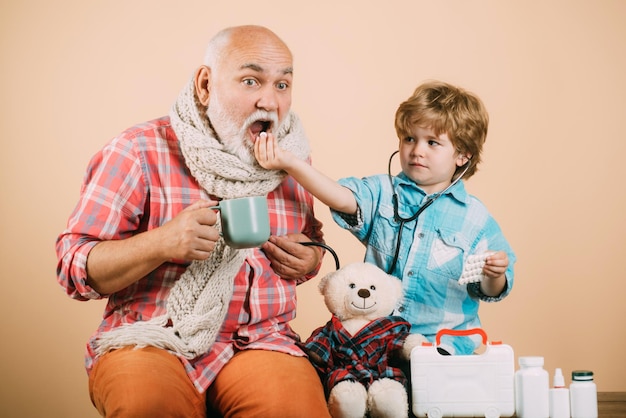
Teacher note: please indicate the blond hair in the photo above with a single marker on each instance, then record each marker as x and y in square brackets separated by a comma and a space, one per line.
[446, 109]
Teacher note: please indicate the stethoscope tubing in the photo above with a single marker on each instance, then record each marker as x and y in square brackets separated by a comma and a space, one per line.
[415, 216]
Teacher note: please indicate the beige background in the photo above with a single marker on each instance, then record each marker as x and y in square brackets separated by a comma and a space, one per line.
[552, 74]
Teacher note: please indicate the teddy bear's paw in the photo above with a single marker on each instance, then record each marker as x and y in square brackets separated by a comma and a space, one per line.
[387, 398]
[412, 341]
[347, 399]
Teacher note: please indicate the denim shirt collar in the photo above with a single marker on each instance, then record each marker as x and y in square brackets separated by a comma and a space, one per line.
[404, 185]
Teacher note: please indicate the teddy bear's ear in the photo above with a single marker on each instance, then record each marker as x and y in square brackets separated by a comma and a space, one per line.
[321, 286]
[397, 287]
[394, 283]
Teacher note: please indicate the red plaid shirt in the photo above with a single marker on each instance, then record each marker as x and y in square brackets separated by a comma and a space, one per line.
[138, 182]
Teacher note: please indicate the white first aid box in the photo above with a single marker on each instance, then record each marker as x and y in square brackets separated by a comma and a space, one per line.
[477, 385]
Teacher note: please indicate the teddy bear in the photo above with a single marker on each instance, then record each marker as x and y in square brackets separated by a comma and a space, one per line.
[358, 352]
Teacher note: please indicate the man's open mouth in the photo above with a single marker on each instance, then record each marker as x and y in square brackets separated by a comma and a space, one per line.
[260, 126]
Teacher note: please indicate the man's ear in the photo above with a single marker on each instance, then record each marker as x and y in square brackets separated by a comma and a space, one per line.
[202, 81]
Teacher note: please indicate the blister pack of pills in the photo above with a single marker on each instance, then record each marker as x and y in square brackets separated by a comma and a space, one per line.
[473, 268]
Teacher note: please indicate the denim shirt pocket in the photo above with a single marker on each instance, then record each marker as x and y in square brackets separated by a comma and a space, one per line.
[384, 235]
[449, 249]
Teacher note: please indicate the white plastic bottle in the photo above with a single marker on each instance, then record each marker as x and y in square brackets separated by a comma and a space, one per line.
[532, 385]
[559, 396]
[583, 395]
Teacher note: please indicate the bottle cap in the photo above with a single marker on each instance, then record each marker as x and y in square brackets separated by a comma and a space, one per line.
[559, 380]
[531, 361]
[582, 375]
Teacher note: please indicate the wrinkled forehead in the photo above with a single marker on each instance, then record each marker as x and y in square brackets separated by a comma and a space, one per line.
[259, 52]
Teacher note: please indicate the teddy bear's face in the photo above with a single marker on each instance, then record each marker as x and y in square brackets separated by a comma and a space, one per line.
[360, 290]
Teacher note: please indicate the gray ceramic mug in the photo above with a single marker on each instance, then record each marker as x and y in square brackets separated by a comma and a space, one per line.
[245, 221]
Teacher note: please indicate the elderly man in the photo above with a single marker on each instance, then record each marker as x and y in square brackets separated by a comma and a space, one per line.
[191, 324]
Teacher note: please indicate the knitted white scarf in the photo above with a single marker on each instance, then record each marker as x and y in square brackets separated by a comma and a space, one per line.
[198, 302]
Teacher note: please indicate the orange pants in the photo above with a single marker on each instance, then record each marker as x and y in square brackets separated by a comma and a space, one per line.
[150, 382]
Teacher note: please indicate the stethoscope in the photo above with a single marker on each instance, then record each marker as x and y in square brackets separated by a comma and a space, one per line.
[429, 201]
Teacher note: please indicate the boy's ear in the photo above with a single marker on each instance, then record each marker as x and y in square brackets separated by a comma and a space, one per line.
[462, 159]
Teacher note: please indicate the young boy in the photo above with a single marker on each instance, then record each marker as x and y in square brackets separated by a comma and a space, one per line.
[422, 225]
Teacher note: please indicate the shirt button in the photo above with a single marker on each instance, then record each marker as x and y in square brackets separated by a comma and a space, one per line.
[420, 235]
[401, 309]
[410, 273]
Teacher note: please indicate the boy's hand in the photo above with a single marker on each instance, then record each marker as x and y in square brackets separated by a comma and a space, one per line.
[269, 154]
[496, 265]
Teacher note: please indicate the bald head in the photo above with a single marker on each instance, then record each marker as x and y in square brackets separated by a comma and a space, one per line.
[237, 37]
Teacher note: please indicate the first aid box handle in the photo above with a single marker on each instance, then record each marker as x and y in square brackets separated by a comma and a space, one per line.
[461, 333]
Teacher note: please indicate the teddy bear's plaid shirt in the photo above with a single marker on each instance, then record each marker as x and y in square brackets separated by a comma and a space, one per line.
[372, 354]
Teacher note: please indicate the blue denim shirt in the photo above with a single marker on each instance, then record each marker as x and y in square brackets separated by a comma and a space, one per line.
[432, 252]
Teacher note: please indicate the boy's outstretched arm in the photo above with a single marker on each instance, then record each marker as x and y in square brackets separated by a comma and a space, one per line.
[273, 157]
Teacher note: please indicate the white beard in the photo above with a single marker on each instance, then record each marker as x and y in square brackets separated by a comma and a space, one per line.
[236, 139]
[219, 172]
